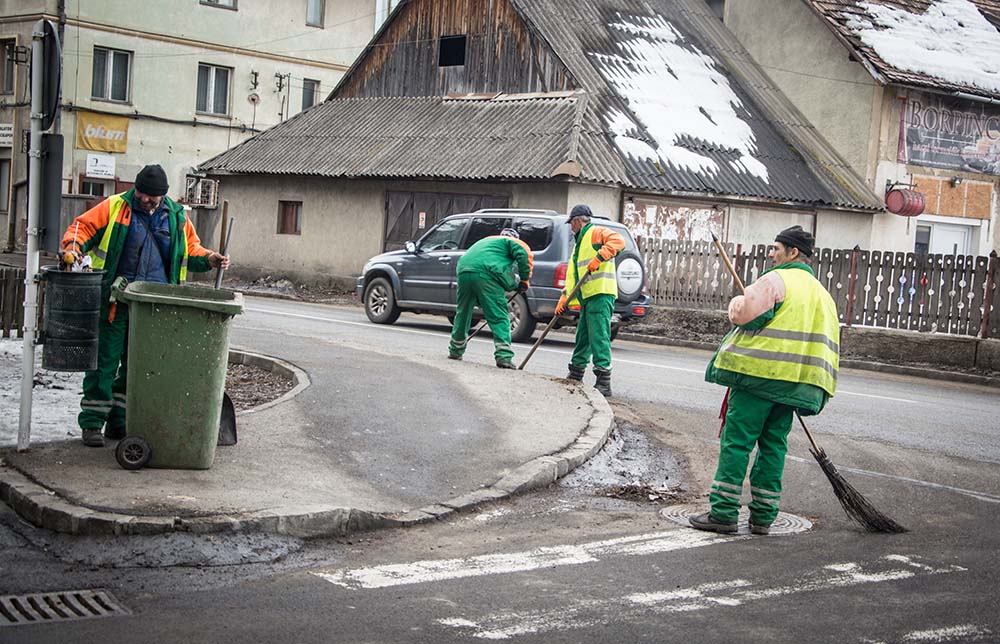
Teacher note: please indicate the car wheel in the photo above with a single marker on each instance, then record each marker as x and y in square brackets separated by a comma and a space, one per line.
[380, 302]
[630, 274]
[522, 325]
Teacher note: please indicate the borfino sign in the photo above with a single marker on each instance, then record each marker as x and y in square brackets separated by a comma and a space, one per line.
[950, 134]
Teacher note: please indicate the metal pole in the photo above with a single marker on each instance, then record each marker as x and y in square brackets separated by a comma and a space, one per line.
[31, 258]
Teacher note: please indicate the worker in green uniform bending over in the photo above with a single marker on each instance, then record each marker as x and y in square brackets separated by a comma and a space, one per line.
[485, 273]
[781, 357]
[594, 253]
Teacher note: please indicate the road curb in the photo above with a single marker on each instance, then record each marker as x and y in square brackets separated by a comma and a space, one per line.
[44, 508]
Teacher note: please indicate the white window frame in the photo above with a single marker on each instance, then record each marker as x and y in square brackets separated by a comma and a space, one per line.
[109, 75]
[315, 91]
[211, 90]
[321, 7]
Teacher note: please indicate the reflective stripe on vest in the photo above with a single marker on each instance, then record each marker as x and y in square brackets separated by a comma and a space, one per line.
[184, 262]
[603, 281]
[100, 254]
[801, 344]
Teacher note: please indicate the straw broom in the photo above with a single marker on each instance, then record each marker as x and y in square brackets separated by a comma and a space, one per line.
[856, 506]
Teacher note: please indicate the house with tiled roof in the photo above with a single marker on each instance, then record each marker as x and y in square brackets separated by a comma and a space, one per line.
[649, 111]
[908, 92]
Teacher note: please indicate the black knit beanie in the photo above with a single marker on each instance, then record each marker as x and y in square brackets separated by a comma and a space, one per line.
[579, 210]
[796, 237]
[152, 181]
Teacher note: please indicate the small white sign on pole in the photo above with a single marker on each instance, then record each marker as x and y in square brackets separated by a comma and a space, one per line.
[100, 166]
[6, 135]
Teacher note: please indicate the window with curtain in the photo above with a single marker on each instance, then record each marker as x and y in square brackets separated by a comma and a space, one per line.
[314, 12]
[310, 90]
[289, 217]
[7, 84]
[213, 89]
[111, 74]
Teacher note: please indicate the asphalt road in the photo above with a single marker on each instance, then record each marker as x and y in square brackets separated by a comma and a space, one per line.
[573, 564]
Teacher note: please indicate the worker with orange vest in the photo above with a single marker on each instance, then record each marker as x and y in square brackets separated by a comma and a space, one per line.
[593, 259]
[138, 235]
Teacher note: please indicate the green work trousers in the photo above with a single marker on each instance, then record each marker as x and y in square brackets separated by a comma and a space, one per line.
[593, 332]
[751, 420]
[484, 290]
[104, 388]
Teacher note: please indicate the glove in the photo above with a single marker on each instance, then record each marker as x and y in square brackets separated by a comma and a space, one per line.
[594, 264]
[561, 306]
[70, 255]
[523, 286]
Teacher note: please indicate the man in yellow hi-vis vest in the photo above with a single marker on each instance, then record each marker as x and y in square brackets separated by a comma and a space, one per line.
[139, 235]
[594, 253]
[781, 357]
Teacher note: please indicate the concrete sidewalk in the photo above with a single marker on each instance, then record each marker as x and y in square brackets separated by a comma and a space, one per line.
[369, 439]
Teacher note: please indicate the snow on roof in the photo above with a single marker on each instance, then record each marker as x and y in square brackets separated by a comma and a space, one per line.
[951, 41]
[675, 92]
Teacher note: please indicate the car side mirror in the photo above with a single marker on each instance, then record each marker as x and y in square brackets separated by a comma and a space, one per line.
[411, 247]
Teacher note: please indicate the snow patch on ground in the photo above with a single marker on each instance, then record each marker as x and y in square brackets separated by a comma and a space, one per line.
[675, 91]
[950, 41]
[55, 398]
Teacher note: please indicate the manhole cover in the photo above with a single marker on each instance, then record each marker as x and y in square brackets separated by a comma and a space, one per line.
[41, 608]
[784, 524]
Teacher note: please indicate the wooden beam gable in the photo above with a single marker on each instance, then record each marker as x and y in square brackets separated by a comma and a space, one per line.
[501, 53]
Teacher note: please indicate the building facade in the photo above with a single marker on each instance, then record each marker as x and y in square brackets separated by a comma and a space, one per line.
[171, 82]
[904, 92]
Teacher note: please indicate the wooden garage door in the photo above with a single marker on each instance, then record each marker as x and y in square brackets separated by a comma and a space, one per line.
[408, 215]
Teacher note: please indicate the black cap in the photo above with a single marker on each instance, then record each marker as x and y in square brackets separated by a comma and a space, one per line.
[796, 237]
[152, 181]
[579, 210]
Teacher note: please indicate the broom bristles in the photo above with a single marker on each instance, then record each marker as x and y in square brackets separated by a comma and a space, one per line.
[855, 505]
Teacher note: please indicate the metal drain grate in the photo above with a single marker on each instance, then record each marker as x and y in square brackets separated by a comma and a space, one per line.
[43, 608]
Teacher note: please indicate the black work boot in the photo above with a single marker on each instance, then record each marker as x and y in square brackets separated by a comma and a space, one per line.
[603, 383]
[575, 372]
[505, 364]
[759, 528]
[710, 524]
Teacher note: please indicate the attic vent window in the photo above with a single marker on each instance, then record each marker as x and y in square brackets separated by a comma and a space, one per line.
[451, 51]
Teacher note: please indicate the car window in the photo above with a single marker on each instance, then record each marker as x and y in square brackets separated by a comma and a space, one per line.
[535, 232]
[446, 236]
[482, 227]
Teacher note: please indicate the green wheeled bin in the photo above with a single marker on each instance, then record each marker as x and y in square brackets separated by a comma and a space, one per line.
[178, 352]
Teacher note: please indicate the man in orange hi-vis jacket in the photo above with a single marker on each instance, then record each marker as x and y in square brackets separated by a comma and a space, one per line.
[139, 235]
[594, 255]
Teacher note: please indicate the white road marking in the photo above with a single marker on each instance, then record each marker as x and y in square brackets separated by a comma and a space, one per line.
[547, 557]
[557, 351]
[975, 494]
[637, 607]
[961, 632]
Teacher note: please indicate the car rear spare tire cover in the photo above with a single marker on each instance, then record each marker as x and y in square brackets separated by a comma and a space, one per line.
[630, 273]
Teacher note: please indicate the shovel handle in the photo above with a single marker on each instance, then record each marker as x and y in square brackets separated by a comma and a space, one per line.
[483, 323]
[225, 251]
[552, 322]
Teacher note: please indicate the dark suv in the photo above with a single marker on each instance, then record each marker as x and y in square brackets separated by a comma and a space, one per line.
[422, 278]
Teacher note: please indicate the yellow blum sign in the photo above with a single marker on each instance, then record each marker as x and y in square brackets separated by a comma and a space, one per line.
[101, 132]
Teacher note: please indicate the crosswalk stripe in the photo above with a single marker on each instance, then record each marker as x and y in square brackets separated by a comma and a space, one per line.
[497, 564]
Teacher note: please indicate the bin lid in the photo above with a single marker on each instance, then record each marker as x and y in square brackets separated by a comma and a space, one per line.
[199, 297]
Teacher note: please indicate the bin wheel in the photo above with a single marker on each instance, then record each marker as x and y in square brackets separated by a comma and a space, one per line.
[133, 453]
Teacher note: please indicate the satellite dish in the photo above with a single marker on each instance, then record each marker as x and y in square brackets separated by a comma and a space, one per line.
[253, 98]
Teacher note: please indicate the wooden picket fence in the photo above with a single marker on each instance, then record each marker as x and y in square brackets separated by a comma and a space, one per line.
[954, 294]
